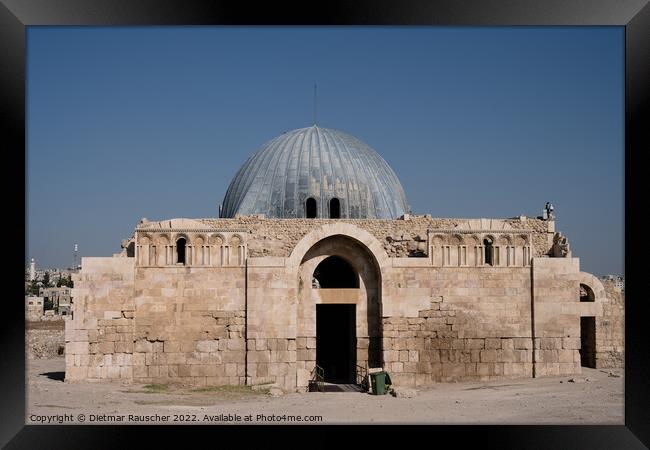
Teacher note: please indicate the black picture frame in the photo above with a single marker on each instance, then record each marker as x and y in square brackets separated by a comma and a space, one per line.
[634, 15]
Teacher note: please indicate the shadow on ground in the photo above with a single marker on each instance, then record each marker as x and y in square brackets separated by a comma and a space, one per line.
[327, 387]
[56, 376]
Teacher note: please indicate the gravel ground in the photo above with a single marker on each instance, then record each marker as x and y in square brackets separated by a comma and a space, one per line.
[521, 401]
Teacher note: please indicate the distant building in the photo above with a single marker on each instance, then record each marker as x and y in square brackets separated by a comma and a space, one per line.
[32, 270]
[33, 307]
[60, 298]
[618, 281]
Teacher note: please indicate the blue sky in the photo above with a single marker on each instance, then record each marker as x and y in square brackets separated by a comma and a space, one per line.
[134, 122]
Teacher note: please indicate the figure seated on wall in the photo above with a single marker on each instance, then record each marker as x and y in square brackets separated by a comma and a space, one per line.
[315, 283]
[560, 247]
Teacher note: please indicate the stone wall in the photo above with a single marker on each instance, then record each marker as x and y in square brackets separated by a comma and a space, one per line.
[189, 325]
[45, 339]
[272, 326]
[99, 335]
[610, 329]
[400, 238]
[473, 324]
[252, 320]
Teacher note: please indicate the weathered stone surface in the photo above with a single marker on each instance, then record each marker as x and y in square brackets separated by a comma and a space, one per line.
[243, 308]
[401, 392]
[276, 392]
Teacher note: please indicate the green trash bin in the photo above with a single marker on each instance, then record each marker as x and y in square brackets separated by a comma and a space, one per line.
[380, 382]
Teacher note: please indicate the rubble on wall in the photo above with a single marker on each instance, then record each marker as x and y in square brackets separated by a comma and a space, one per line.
[401, 237]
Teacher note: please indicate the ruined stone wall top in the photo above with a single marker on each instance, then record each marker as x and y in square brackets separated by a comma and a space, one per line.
[278, 237]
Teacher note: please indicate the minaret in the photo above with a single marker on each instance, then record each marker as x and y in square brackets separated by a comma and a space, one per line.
[32, 270]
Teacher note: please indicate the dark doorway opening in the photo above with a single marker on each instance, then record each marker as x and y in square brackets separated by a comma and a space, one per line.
[335, 272]
[336, 342]
[489, 252]
[180, 250]
[335, 209]
[588, 342]
[310, 208]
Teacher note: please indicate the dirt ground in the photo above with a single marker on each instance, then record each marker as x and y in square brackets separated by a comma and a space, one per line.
[595, 397]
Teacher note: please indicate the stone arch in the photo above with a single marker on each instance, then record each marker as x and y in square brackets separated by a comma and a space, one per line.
[489, 242]
[216, 239]
[368, 259]
[163, 250]
[439, 239]
[235, 240]
[144, 250]
[521, 240]
[181, 235]
[328, 311]
[505, 239]
[589, 317]
[594, 284]
[346, 229]
[199, 256]
[215, 249]
[456, 239]
[181, 243]
[586, 293]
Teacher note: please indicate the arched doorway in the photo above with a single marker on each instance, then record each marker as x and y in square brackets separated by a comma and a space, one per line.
[339, 310]
[335, 209]
[587, 331]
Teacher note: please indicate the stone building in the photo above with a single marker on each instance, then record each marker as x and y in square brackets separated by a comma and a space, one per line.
[316, 260]
[59, 297]
[33, 307]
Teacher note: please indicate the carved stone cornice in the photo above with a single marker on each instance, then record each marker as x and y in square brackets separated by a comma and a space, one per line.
[187, 230]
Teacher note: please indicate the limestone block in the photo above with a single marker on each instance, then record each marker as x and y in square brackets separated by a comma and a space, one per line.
[76, 335]
[76, 373]
[106, 347]
[571, 343]
[523, 343]
[184, 370]
[474, 344]
[207, 345]
[144, 346]
[112, 315]
[453, 370]
[235, 344]
[124, 347]
[488, 355]
[81, 348]
[566, 356]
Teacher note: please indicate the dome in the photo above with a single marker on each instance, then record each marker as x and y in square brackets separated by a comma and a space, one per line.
[315, 172]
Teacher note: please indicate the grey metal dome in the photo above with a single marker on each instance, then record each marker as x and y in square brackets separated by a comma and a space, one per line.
[321, 164]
